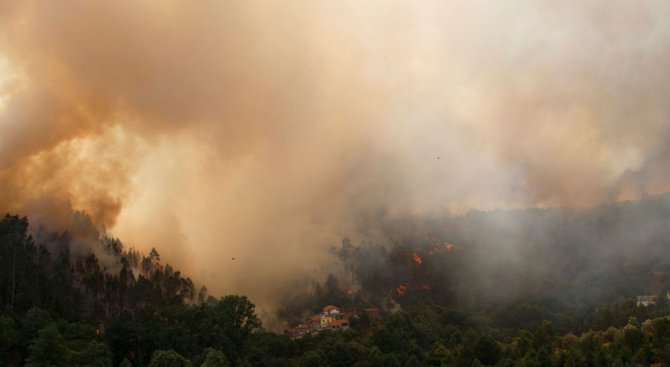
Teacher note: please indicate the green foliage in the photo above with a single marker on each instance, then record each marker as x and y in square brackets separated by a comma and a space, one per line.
[439, 355]
[35, 319]
[95, 354]
[9, 338]
[486, 350]
[236, 316]
[48, 349]
[214, 358]
[313, 358]
[168, 358]
[413, 361]
[54, 302]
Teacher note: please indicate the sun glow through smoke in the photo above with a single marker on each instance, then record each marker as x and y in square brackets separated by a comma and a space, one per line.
[266, 133]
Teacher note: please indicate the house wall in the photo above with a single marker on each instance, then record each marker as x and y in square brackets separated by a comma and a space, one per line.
[325, 320]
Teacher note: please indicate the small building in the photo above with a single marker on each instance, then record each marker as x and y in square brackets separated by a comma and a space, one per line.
[292, 332]
[646, 300]
[331, 311]
[297, 332]
[325, 319]
[338, 325]
[330, 318]
[314, 322]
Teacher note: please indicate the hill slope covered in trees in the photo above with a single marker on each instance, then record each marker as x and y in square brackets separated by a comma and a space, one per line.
[524, 288]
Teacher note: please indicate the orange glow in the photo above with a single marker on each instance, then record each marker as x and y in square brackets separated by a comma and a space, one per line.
[417, 258]
[437, 249]
[401, 289]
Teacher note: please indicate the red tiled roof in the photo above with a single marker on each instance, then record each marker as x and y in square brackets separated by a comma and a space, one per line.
[328, 308]
[315, 318]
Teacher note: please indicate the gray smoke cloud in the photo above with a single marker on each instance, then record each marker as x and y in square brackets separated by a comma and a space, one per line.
[266, 132]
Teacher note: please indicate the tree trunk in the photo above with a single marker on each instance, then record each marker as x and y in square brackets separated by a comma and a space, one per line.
[13, 276]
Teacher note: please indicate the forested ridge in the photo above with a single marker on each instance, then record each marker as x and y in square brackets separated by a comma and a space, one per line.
[443, 302]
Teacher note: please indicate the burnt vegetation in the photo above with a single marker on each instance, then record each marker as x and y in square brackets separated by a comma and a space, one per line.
[536, 287]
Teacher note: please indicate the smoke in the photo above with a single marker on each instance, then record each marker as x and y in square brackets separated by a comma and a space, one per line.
[265, 132]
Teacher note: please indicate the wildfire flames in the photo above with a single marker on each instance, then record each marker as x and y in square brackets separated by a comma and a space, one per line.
[418, 256]
[445, 247]
[403, 287]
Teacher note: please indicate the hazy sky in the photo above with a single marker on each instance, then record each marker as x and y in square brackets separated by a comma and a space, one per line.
[267, 130]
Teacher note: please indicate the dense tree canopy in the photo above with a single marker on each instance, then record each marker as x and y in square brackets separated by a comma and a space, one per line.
[63, 306]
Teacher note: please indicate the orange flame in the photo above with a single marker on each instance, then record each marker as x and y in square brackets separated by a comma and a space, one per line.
[417, 259]
[401, 289]
[438, 249]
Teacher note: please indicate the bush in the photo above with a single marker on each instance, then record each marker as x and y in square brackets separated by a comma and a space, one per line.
[168, 358]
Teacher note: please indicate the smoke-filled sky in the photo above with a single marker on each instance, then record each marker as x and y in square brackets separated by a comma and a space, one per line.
[266, 131]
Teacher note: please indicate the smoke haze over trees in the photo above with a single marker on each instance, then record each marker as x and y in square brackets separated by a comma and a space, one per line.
[224, 130]
[498, 171]
[446, 298]
[566, 261]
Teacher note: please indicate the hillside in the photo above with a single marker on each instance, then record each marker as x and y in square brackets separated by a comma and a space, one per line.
[526, 287]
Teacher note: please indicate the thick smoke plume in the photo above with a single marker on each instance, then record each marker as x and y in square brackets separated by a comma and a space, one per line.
[265, 132]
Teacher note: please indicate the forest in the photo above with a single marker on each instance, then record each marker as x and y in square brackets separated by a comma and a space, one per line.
[334, 183]
[535, 287]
